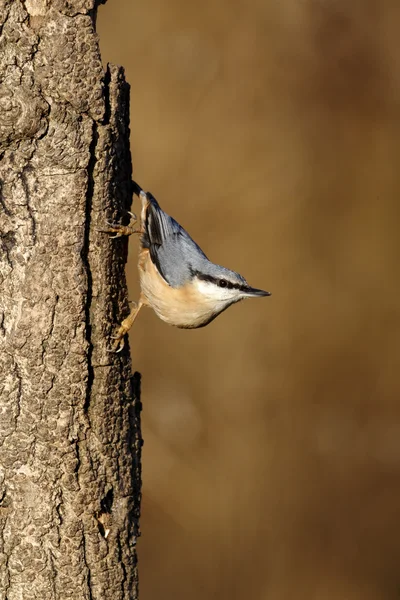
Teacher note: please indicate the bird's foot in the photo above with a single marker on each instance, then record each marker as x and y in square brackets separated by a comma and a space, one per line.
[121, 230]
[119, 337]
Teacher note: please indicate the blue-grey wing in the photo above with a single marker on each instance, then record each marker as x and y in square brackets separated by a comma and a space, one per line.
[171, 248]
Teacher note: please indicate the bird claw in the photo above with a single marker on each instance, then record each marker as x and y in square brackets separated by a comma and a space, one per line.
[119, 339]
[118, 345]
[113, 237]
[121, 230]
[124, 327]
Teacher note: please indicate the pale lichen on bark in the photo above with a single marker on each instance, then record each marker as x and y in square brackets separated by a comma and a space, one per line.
[69, 411]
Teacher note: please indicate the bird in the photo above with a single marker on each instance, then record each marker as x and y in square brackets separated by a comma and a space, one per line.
[177, 280]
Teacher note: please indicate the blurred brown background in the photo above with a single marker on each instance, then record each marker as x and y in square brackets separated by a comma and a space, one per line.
[271, 131]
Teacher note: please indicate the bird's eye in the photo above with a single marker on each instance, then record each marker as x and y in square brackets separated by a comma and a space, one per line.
[222, 283]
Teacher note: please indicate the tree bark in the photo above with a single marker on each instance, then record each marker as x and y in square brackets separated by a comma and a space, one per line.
[69, 409]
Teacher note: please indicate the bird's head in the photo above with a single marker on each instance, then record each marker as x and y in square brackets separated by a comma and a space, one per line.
[220, 287]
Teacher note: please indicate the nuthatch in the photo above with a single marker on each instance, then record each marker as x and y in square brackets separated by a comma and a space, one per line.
[177, 280]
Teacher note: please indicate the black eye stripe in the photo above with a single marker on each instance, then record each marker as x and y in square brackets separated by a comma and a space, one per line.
[227, 284]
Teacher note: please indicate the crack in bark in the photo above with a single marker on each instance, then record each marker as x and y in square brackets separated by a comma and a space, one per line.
[124, 573]
[107, 102]
[88, 577]
[18, 400]
[5, 21]
[2, 202]
[136, 443]
[85, 257]
[53, 569]
[78, 462]
[7, 243]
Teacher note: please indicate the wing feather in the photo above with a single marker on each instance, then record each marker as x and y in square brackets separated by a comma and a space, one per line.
[172, 249]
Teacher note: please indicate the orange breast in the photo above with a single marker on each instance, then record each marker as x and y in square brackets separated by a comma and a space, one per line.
[182, 307]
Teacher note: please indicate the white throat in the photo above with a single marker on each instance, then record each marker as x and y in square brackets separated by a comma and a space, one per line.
[214, 294]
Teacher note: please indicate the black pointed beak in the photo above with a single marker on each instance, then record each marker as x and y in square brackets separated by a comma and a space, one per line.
[255, 292]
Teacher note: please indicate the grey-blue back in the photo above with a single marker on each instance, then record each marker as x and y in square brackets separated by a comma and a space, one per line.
[176, 255]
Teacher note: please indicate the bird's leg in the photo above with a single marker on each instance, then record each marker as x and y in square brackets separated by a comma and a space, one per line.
[121, 230]
[125, 327]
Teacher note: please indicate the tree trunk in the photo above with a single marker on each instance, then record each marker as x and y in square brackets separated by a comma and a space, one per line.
[69, 409]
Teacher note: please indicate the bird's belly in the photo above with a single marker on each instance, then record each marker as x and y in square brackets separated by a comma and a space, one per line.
[176, 306]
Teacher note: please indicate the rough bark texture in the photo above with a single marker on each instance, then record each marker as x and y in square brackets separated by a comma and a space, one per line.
[69, 410]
